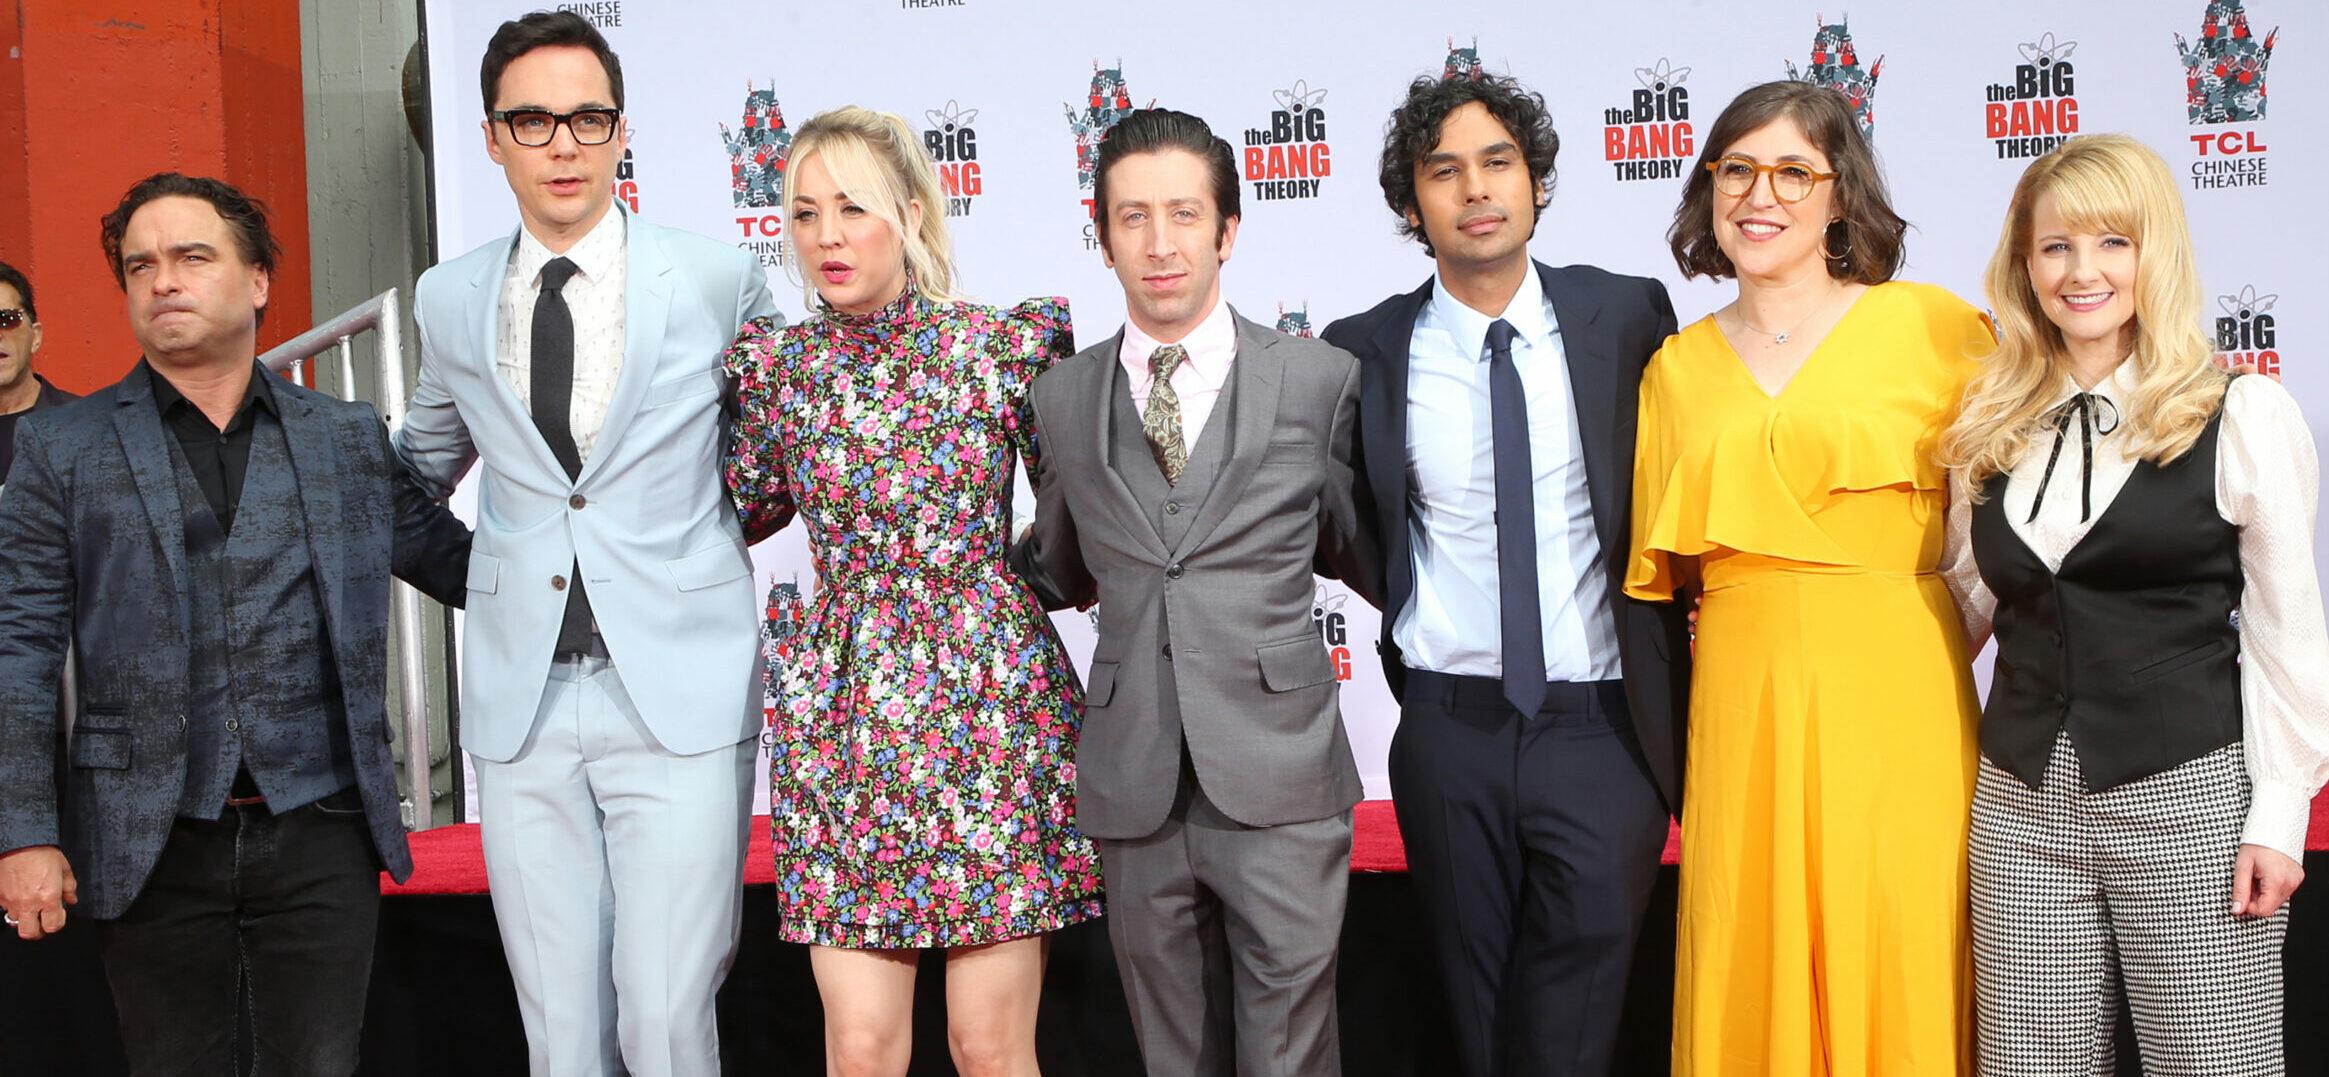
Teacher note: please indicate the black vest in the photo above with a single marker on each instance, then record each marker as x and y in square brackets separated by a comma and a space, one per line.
[2134, 644]
[262, 689]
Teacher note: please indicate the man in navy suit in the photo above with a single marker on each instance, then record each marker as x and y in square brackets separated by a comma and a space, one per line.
[215, 545]
[1539, 749]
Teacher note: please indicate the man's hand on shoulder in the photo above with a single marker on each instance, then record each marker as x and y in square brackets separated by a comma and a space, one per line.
[35, 886]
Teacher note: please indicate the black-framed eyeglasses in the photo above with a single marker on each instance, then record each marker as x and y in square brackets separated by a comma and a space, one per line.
[11, 317]
[536, 127]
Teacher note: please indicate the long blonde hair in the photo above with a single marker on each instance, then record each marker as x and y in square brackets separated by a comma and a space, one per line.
[2100, 183]
[879, 163]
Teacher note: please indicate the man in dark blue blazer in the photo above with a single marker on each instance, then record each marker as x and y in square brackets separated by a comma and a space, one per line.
[215, 544]
[1539, 749]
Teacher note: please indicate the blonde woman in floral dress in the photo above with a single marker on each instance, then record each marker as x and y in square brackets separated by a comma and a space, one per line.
[924, 714]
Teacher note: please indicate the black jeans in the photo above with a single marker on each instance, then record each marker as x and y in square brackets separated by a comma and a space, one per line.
[257, 918]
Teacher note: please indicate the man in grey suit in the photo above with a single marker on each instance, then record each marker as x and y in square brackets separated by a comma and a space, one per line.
[1197, 467]
[215, 545]
[611, 655]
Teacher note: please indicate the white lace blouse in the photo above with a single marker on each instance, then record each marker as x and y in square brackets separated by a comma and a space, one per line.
[2267, 485]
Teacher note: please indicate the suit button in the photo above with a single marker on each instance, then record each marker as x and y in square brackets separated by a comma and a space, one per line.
[1168, 652]
[576, 502]
[557, 583]
[2060, 699]
[233, 725]
[1172, 508]
[1173, 572]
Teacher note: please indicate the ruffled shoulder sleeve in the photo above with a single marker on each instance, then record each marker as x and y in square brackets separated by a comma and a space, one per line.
[1028, 339]
[1034, 335]
[1651, 570]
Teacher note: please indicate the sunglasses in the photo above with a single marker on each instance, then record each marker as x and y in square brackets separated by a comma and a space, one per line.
[11, 317]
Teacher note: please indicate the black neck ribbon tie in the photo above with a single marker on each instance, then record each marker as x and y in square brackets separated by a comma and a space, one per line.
[2091, 424]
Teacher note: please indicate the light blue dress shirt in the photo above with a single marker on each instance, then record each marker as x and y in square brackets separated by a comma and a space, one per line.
[1449, 624]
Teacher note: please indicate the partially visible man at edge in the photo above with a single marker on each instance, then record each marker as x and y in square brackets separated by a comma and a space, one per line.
[22, 389]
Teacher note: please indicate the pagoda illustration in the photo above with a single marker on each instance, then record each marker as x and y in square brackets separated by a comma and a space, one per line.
[756, 155]
[1835, 64]
[2224, 71]
[1110, 101]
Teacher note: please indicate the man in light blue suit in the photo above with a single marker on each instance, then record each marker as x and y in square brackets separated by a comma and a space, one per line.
[611, 664]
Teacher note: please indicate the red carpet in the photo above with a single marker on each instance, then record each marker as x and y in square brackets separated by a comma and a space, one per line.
[447, 860]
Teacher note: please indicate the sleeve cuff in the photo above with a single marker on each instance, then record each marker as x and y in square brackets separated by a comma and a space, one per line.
[2278, 815]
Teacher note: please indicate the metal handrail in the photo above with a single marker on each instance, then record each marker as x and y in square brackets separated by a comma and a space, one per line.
[381, 314]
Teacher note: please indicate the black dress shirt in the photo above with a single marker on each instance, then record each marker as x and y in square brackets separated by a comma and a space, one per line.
[218, 458]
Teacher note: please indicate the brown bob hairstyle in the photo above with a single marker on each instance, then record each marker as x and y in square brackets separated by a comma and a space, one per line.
[1867, 240]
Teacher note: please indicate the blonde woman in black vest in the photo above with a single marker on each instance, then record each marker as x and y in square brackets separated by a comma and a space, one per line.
[2138, 529]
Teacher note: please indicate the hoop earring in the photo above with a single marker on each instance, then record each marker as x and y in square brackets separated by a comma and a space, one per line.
[1836, 256]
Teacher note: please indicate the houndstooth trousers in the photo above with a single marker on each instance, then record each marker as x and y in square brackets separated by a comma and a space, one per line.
[2084, 900]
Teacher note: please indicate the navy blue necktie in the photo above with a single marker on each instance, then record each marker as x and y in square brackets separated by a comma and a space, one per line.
[1519, 616]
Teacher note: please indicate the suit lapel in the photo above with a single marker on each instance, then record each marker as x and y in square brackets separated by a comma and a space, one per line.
[1260, 373]
[485, 344]
[646, 308]
[316, 474]
[1593, 389]
[1099, 400]
[146, 446]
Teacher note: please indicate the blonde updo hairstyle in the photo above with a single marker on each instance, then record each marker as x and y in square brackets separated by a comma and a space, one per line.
[877, 160]
[2105, 184]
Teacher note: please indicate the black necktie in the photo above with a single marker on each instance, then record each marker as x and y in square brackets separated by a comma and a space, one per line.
[1519, 615]
[553, 365]
[552, 380]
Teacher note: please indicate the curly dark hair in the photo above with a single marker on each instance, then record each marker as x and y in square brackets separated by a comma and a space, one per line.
[245, 216]
[1414, 128]
[1872, 238]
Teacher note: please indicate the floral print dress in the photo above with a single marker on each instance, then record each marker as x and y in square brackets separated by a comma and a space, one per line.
[923, 711]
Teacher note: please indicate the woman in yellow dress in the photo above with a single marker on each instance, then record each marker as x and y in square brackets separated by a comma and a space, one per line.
[1784, 475]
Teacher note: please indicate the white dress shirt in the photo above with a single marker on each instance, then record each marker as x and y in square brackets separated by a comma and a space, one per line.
[1449, 624]
[2268, 485]
[1212, 348]
[594, 295]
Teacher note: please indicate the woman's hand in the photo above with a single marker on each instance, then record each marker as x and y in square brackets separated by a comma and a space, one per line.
[2262, 879]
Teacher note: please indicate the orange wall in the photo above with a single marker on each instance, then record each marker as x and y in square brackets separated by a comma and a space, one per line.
[95, 96]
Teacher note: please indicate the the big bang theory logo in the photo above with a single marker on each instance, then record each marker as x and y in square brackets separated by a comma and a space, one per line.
[1835, 64]
[1333, 628]
[954, 148]
[1288, 157]
[627, 180]
[756, 158]
[1106, 106]
[2245, 333]
[1648, 137]
[2036, 110]
[2223, 78]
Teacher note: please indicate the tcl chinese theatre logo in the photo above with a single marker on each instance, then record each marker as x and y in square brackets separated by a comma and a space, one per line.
[1835, 64]
[756, 156]
[1109, 101]
[2224, 72]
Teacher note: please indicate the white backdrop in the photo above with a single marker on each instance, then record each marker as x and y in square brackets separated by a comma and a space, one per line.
[1963, 94]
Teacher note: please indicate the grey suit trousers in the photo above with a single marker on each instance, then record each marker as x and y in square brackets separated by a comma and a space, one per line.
[1227, 938]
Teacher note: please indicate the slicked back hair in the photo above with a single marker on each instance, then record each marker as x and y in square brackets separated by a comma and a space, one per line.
[1157, 130]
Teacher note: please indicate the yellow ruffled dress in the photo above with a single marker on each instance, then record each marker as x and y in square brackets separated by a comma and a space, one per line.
[1832, 716]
